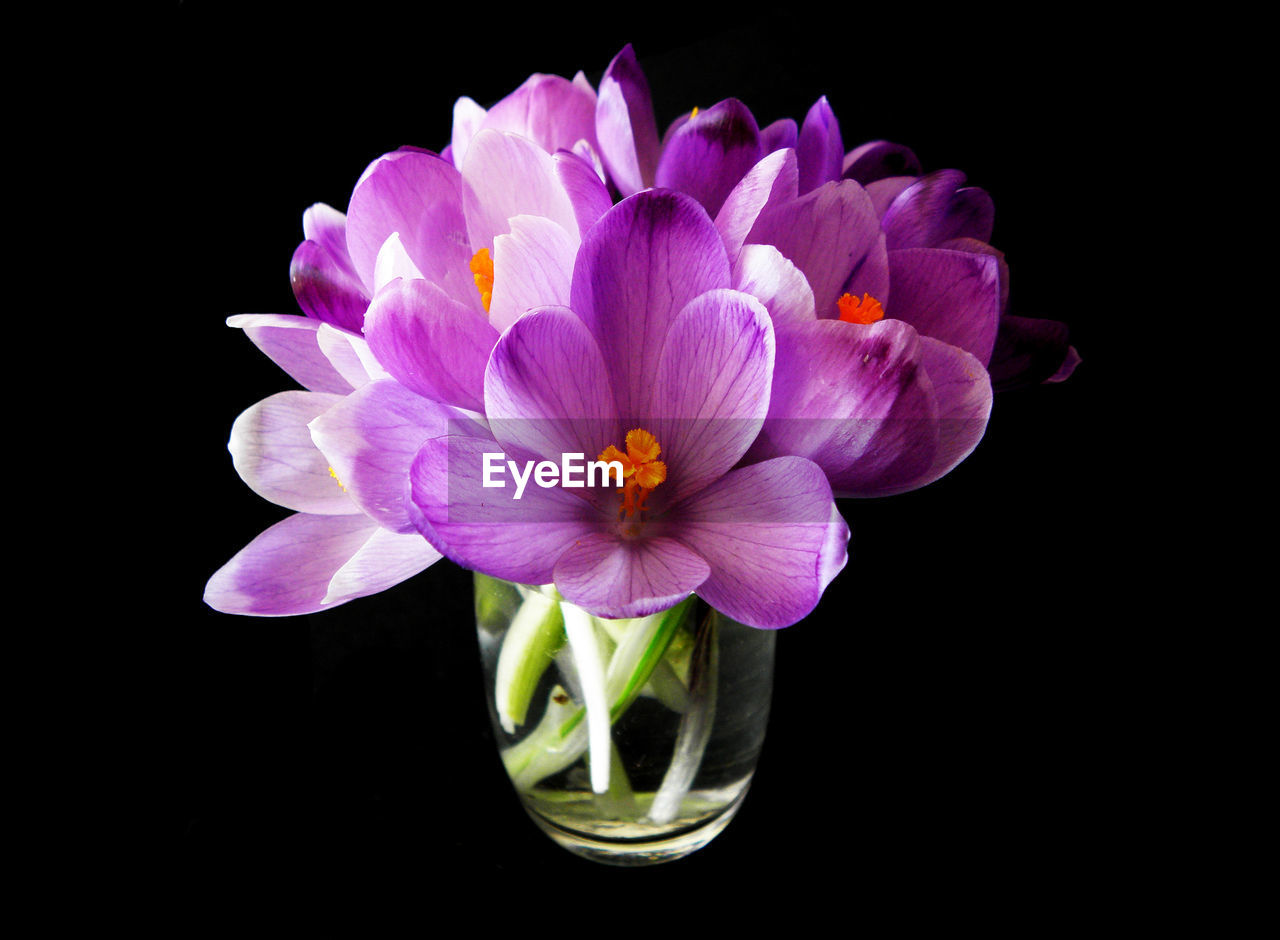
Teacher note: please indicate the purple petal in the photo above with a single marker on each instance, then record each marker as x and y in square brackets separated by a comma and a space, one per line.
[547, 390]
[349, 354]
[637, 269]
[286, 570]
[587, 154]
[370, 439]
[324, 289]
[327, 227]
[772, 537]
[982, 248]
[625, 124]
[432, 344]
[586, 191]
[1068, 366]
[963, 391]
[833, 236]
[711, 388]
[614, 577]
[935, 208]
[820, 151]
[763, 272]
[290, 342]
[855, 400]
[709, 154]
[1028, 352]
[484, 528]
[771, 182]
[419, 196]
[272, 451]
[953, 296]
[505, 175]
[549, 110]
[884, 191]
[782, 134]
[533, 265]
[467, 120]
[384, 560]
[674, 126]
[879, 159]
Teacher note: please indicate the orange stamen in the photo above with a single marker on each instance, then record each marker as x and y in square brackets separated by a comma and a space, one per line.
[864, 311]
[642, 470]
[482, 268]
[642, 446]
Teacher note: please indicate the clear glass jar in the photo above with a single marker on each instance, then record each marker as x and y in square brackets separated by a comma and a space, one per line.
[629, 742]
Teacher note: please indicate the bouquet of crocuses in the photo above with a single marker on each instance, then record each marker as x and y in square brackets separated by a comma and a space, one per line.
[566, 351]
[780, 322]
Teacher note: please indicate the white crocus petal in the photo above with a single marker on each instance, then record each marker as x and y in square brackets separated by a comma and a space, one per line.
[505, 175]
[763, 272]
[533, 267]
[467, 118]
[392, 262]
[272, 450]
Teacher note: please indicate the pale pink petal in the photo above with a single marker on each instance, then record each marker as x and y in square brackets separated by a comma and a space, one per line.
[290, 342]
[272, 451]
[533, 266]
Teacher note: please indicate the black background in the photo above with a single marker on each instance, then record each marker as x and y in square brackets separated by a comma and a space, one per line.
[949, 728]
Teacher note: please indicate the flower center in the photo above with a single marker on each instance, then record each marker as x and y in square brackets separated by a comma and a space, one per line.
[867, 310]
[482, 269]
[334, 473]
[694, 113]
[641, 469]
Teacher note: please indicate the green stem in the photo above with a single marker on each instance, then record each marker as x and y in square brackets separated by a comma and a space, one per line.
[528, 648]
[552, 746]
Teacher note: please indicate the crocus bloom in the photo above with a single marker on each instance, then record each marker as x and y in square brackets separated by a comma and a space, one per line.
[333, 548]
[929, 222]
[553, 112]
[657, 360]
[452, 257]
[398, 267]
[880, 374]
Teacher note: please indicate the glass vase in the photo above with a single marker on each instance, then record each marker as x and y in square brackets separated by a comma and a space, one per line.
[629, 742]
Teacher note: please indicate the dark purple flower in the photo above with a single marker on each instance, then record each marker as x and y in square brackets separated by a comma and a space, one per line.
[936, 230]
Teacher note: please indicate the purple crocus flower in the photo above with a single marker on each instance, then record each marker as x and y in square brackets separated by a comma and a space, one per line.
[452, 257]
[334, 547]
[657, 350]
[931, 224]
[553, 112]
[399, 267]
[888, 391]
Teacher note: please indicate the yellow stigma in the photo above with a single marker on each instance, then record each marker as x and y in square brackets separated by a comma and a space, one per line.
[333, 473]
[482, 268]
[694, 113]
[864, 311]
[641, 469]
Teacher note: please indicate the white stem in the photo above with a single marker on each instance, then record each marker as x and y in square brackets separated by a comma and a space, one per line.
[586, 652]
[695, 730]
